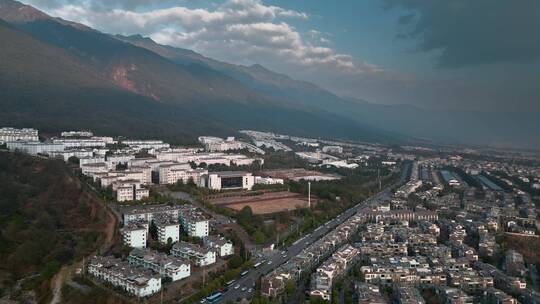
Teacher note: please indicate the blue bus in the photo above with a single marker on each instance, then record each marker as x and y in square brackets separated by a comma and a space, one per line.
[244, 273]
[213, 298]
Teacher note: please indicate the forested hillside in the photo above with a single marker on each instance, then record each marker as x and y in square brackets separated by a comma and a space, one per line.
[47, 220]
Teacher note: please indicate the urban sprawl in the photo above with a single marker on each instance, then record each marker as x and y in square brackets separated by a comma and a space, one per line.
[445, 231]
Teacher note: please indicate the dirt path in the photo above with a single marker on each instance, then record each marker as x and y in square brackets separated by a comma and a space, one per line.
[56, 285]
[64, 275]
[110, 229]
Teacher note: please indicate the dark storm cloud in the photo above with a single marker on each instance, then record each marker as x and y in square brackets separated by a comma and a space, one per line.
[472, 32]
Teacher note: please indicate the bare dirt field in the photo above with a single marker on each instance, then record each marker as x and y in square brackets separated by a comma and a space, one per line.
[272, 206]
[265, 203]
[298, 174]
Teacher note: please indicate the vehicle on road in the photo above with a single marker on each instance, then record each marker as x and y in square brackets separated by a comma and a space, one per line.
[237, 286]
[230, 282]
[250, 290]
[269, 263]
[258, 264]
[244, 288]
[213, 298]
[244, 273]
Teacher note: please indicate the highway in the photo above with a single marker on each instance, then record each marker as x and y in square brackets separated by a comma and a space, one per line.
[237, 290]
[242, 286]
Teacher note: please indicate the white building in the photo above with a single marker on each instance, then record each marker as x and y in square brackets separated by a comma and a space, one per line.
[116, 159]
[130, 190]
[226, 180]
[332, 149]
[91, 160]
[339, 164]
[220, 245]
[135, 234]
[146, 144]
[167, 228]
[12, 134]
[167, 266]
[268, 180]
[147, 213]
[194, 223]
[90, 169]
[79, 143]
[34, 148]
[77, 134]
[79, 153]
[172, 173]
[135, 280]
[201, 256]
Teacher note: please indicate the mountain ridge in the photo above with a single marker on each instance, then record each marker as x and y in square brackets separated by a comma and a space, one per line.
[182, 80]
[83, 93]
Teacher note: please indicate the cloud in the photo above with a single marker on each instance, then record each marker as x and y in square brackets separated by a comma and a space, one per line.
[241, 31]
[468, 33]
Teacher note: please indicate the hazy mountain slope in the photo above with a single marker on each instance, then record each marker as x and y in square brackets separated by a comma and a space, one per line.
[71, 94]
[135, 69]
[268, 83]
[482, 128]
[68, 95]
[500, 129]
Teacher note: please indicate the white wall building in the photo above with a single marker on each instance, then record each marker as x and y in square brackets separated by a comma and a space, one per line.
[167, 228]
[135, 280]
[147, 213]
[12, 134]
[135, 234]
[201, 256]
[226, 180]
[167, 266]
[332, 149]
[126, 190]
[34, 148]
[79, 143]
[194, 223]
[220, 245]
[268, 180]
[77, 134]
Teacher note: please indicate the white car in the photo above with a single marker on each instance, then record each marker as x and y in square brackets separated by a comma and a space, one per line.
[237, 286]
[250, 290]
[269, 263]
[244, 288]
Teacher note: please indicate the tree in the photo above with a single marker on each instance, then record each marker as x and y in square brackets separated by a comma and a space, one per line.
[153, 230]
[121, 167]
[259, 237]
[290, 287]
[73, 160]
[245, 217]
[235, 261]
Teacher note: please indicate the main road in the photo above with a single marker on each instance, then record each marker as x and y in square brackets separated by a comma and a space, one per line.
[241, 287]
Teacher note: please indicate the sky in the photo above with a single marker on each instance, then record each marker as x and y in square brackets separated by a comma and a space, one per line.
[481, 55]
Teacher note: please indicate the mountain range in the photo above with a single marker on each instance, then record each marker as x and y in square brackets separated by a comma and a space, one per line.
[57, 74]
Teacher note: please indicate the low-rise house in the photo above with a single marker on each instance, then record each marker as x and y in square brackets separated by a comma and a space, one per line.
[134, 280]
[407, 295]
[147, 213]
[200, 256]
[168, 228]
[194, 223]
[135, 233]
[369, 294]
[167, 266]
[221, 245]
